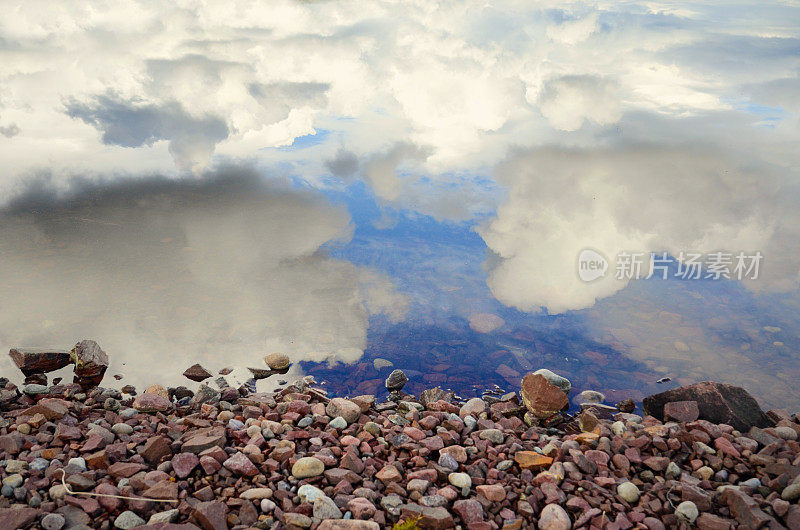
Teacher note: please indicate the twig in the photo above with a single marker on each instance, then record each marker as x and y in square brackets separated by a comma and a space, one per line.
[66, 487]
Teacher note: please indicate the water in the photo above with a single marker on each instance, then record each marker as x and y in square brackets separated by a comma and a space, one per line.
[161, 295]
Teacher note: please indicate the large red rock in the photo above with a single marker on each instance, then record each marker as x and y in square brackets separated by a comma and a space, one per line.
[541, 397]
[717, 403]
[37, 360]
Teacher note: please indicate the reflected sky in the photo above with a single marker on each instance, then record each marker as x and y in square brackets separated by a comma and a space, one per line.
[352, 181]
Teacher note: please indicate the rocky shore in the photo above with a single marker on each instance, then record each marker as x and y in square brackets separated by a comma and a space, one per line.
[703, 455]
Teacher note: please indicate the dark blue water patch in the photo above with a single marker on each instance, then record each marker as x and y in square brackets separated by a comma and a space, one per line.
[452, 356]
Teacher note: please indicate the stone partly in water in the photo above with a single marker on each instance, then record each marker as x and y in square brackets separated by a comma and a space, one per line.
[277, 361]
[589, 396]
[717, 403]
[542, 398]
[196, 373]
[90, 362]
[555, 379]
[396, 381]
[37, 360]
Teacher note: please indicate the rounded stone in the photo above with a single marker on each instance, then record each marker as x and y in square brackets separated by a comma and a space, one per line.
[267, 505]
[158, 390]
[554, 517]
[344, 408]
[786, 433]
[277, 361]
[473, 407]
[309, 493]
[687, 512]
[53, 521]
[791, 492]
[628, 492]
[380, 364]
[307, 467]
[460, 480]
[121, 428]
[589, 396]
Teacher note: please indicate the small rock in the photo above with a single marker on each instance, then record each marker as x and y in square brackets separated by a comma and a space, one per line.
[628, 492]
[554, 517]
[127, 520]
[396, 381]
[196, 373]
[277, 361]
[307, 467]
[687, 512]
[340, 407]
[53, 521]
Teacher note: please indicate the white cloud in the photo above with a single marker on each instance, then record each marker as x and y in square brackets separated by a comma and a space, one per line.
[218, 271]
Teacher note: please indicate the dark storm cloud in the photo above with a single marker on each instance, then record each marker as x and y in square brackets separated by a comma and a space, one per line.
[132, 123]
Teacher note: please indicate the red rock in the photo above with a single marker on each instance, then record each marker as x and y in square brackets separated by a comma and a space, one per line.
[532, 460]
[469, 510]
[492, 492]
[709, 521]
[196, 373]
[241, 465]
[50, 408]
[362, 508]
[656, 463]
[745, 509]
[211, 515]
[717, 403]
[540, 397]
[155, 448]
[200, 442]
[110, 504]
[554, 517]
[458, 453]
[209, 464]
[150, 402]
[347, 524]
[87, 504]
[90, 362]
[681, 411]
[388, 474]
[724, 445]
[164, 489]
[184, 463]
[120, 470]
[17, 517]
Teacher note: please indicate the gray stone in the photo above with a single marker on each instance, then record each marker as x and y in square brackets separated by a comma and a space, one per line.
[127, 520]
[628, 492]
[53, 521]
[555, 379]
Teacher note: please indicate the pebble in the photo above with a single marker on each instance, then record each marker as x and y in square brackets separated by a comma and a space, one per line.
[267, 505]
[339, 423]
[277, 361]
[53, 521]
[396, 381]
[307, 467]
[687, 512]
[461, 481]
[554, 517]
[121, 428]
[127, 520]
[629, 492]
